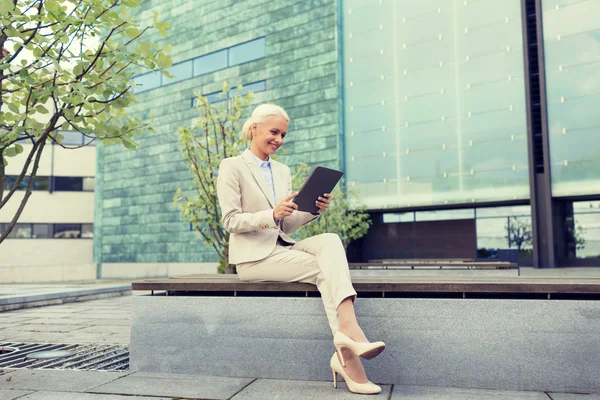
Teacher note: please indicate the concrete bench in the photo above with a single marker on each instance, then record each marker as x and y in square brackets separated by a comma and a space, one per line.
[500, 333]
[436, 264]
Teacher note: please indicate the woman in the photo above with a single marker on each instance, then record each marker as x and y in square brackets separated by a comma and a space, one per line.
[255, 195]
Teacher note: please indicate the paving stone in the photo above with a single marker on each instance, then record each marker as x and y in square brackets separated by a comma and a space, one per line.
[49, 328]
[62, 321]
[401, 392]
[83, 396]
[175, 385]
[12, 394]
[58, 380]
[276, 389]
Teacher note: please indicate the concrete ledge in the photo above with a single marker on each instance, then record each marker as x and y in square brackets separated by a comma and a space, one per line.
[13, 298]
[533, 345]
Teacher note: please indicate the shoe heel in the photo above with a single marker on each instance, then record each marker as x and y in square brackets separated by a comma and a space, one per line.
[334, 379]
[341, 356]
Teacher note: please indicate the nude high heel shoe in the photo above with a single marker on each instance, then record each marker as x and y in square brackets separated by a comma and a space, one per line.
[360, 388]
[364, 350]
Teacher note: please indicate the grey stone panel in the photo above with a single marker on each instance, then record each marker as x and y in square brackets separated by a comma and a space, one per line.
[573, 396]
[180, 385]
[274, 389]
[12, 394]
[58, 380]
[492, 344]
[445, 393]
[84, 396]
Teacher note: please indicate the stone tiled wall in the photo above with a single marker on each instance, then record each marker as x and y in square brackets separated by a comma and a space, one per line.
[136, 221]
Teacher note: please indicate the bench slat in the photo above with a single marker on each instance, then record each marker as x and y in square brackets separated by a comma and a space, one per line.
[388, 284]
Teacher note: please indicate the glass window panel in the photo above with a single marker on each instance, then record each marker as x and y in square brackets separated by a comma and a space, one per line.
[41, 231]
[587, 235]
[444, 215]
[215, 97]
[67, 231]
[20, 231]
[89, 184]
[72, 138]
[255, 87]
[389, 218]
[87, 231]
[210, 62]
[572, 60]
[247, 51]
[148, 81]
[181, 71]
[490, 212]
[68, 184]
[439, 87]
[586, 206]
[40, 182]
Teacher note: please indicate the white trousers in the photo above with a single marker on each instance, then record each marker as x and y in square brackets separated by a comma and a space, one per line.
[320, 260]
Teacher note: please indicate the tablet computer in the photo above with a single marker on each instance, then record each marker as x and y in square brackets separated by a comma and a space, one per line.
[322, 180]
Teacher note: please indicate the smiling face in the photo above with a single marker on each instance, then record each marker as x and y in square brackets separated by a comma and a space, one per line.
[268, 136]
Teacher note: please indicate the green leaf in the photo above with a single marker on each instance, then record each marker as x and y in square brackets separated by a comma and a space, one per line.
[41, 109]
[132, 32]
[6, 6]
[129, 144]
[162, 27]
[12, 107]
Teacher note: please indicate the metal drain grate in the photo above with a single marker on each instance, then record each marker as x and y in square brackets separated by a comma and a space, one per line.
[85, 357]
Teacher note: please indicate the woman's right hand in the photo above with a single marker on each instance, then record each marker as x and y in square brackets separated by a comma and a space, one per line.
[285, 208]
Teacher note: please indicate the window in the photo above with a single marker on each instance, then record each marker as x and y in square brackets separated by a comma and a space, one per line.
[40, 182]
[49, 231]
[72, 138]
[67, 184]
[148, 81]
[20, 231]
[87, 231]
[216, 97]
[67, 231]
[210, 62]
[248, 51]
[181, 71]
[89, 184]
[41, 231]
[390, 218]
[255, 87]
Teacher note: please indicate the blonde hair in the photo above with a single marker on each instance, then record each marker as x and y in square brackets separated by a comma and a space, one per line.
[259, 114]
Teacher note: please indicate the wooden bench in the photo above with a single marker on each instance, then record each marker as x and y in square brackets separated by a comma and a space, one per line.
[439, 264]
[510, 333]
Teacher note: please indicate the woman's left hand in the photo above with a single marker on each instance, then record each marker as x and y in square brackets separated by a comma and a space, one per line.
[323, 202]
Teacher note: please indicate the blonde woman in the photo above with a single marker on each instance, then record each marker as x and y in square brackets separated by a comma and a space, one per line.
[255, 195]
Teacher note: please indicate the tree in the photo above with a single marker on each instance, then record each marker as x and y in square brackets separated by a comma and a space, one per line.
[67, 65]
[519, 233]
[208, 140]
[343, 217]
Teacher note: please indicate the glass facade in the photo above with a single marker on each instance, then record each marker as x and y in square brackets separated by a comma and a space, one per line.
[435, 108]
[572, 67]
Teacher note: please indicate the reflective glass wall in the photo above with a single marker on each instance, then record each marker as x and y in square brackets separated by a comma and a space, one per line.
[434, 101]
[572, 66]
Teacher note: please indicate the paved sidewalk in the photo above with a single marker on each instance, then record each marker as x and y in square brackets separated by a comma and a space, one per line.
[105, 321]
[18, 296]
[98, 385]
